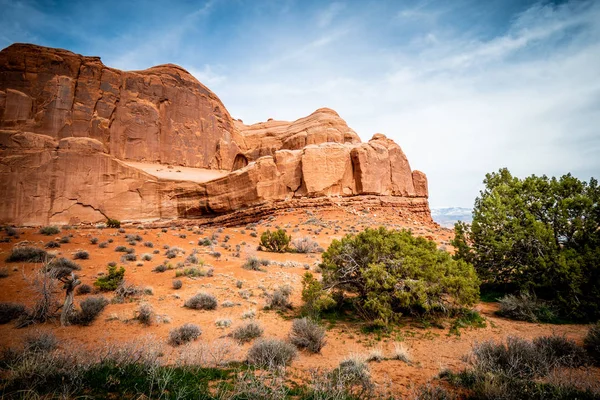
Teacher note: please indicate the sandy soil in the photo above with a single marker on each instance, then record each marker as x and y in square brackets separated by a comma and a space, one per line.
[177, 173]
[432, 349]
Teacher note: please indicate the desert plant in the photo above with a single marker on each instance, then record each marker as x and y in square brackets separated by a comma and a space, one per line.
[84, 289]
[247, 332]
[560, 351]
[280, 298]
[125, 290]
[202, 301]
[177, 284]
[103, 245]
[401, 353]
[50, 230]
[306, 334]
[354, 376]
[306, 245]
[89, 310]
[4, 273]
[10, 311]
[252, 263]
[27, 254]
[145, 314]
[81, 255]
[40, 341]
[316, 299]
[525, 307]
[65, 239]
[249, 314]
[113, 223]
[121, 249]
[591, 343]
[147, 257]
[184, 334]
[277, 241]
[52, 245]
[375, 354]
[390, 272]
[128, 257]
[94, 240]
[223, 323]
[271, 353]
[111, 280]
[43, 285]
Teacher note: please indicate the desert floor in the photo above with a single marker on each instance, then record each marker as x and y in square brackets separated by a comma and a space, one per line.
[431, 348]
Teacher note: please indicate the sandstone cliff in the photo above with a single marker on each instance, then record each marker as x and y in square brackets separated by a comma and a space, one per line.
[69, 126]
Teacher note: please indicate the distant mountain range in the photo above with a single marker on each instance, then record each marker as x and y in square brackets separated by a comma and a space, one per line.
[447, 217]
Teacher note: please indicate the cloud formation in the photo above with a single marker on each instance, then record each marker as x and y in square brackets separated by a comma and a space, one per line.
[465, 87]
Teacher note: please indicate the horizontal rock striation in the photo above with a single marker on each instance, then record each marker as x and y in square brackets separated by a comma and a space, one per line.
[69, 126]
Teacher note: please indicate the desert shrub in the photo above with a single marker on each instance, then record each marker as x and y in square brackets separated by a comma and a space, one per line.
[52, 245]
[111, 280]
[252, 263]
[280, 298]
[525, 307]
[145, 314]
[147, 257]
[390, 272]
[94, 240]
[537, 234]
[523, 359]
[306, 334]
[160, 268]
[65, 239]
[202, 301]
[40, 342]
[354, 376]
[400, 352]
[277, 241]
[113, 223]
[27, 254]
[184, 334]
[204, 242]
[249, 314]
[306, 245]
[560, 351]
[44, 287]
[271, 353]
[466, 318]
[50, 230]
[591, 343]
[89, 310]
[81, 255]
[128, 257]
[177, 284]
[10, 311]
[432, 392]
[103, 245]
[316, 299]
[247, 332]
[4, 273]
[190, 272]
[133, 238]
[84, 289]
[125, 290]
[121, 249]
[10, 231]
[61, 267]
[149, 244]
[223, 323]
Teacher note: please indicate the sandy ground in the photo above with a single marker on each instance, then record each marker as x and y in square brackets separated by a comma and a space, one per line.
[431, 349]
[177, 173]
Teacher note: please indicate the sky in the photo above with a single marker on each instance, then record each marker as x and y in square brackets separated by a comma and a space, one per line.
[465, 87]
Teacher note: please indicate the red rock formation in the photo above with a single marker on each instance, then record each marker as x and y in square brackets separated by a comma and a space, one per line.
[68, 123]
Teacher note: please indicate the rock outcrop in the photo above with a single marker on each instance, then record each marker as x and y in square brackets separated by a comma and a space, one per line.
[69, 126]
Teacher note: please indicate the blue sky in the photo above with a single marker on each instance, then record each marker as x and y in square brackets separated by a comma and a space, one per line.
[464, 86]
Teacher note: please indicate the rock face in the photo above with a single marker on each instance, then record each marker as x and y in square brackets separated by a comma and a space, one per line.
[69, 124]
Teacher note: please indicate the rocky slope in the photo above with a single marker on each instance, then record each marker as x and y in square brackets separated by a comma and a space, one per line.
[69, 124]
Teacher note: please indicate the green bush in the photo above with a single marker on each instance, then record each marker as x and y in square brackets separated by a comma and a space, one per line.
[277, 241]
[113, 223]
[247, 332]
[390, 272]
[316, 299]
[49, 230]
[538, 235]
[111, 280]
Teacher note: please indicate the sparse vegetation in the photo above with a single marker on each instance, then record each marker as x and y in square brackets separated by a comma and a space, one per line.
[111, 280]
[247, 332]
[306, 334]
[306, 245]
[184, 334]
[525, 307]
[202, 301]
[50, 230]
[145, 314]
[113, 223]
[177, 284]
[277, 241]
[89, 310]
[81, 255]
[279, 299]
[271, 353]
[40, 342]
[27, 254]
[10, 311]
[84, 289]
